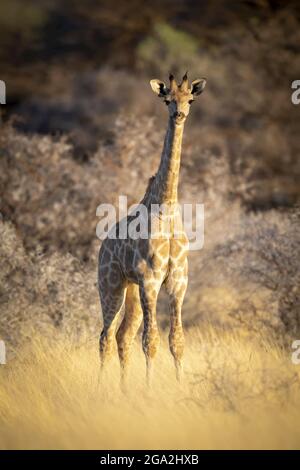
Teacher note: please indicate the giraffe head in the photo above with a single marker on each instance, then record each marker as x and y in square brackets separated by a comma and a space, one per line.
[178, 98]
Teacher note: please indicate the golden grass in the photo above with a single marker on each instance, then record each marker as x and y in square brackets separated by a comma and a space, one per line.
[236, 394]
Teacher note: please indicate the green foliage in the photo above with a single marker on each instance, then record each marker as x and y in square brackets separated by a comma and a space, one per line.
[18, 17]
[167, 49]
[15, 15]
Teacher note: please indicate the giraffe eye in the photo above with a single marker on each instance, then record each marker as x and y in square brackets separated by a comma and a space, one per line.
[167, 102]
[191, 101]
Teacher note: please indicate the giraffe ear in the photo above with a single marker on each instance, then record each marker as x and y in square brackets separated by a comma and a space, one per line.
[198, 86]
[159, 87]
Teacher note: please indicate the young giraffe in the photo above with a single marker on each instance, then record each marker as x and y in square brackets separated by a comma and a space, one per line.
[135, 269]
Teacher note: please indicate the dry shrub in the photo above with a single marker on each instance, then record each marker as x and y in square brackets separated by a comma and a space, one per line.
[40, 291]
[260, 262]
[52, 198]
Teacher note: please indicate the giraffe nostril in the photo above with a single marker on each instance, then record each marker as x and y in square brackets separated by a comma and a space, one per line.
[178, 115]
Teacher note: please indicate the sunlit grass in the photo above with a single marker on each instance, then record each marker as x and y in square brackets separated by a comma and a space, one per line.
[236, 394]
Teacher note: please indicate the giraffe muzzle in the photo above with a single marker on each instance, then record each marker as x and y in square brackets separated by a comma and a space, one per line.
[179, 117]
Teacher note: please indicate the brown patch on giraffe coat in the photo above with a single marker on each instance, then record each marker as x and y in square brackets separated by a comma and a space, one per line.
[176, 249]
[143, 248]
[129, 256]
[164, 248]
[104, 270]
[105, 258]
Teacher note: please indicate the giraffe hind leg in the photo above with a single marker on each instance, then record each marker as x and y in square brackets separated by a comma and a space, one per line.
[129, 328]
[112, 299]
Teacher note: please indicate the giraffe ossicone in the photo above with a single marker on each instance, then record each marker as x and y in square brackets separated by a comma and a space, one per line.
[133, 269]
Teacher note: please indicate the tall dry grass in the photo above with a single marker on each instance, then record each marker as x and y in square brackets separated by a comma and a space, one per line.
[236, 394]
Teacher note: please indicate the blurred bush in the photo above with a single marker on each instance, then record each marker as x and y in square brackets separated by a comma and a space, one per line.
[38, 292]
[20, 22]
[167, 50]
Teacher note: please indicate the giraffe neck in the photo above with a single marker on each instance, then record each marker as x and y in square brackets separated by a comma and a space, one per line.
[168, 172]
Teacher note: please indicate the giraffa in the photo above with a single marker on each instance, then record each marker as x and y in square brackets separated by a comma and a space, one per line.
[135, 269]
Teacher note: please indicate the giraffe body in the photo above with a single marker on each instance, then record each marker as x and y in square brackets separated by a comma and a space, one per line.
[134, 269]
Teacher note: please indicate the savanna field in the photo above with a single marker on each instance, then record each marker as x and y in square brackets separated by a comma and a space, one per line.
[236, 394]
[85, 130]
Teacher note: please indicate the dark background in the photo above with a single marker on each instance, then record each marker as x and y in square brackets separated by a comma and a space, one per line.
[71, 66]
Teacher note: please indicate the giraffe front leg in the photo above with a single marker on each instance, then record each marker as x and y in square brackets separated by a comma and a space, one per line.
[148, 296]
[176, 288]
